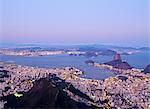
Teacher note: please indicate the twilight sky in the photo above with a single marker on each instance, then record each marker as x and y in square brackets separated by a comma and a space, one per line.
[74, 21]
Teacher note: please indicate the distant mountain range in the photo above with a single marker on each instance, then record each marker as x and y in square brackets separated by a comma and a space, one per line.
[81, 46]
[91, 50]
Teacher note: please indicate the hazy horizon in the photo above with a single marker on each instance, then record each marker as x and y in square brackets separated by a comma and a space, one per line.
[123, 23]
[16, 45]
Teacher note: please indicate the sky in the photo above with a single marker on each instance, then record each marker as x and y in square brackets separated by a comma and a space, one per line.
[75, 21]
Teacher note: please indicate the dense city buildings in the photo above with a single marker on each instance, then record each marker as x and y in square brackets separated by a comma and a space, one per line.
[74, 54]
[128, 89]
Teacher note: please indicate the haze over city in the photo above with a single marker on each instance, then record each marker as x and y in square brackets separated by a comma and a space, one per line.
[123, 22]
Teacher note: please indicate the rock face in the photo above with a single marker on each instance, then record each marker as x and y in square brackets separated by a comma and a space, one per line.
[117, 57]
[47, 94]
[118, 63]
[147, 69]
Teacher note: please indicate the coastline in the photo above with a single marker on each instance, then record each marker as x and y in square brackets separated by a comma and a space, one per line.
[130, 88]
[117, 70]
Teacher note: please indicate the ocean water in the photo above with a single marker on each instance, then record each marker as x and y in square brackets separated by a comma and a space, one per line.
[139, 61]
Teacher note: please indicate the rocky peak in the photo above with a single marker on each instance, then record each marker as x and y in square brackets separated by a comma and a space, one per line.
[117, 57]
[147, 69]
[49, 93]
[118, 63]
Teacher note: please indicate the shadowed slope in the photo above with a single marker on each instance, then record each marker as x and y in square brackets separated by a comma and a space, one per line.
[46, 94]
